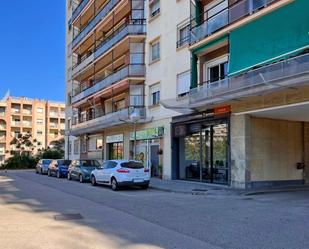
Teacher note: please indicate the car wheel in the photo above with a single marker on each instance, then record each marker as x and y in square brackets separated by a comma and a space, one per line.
[58, 174]
[69, 177]
[93, 181]
[146, 186]
[114, 184]
[48, 173]
[81, 179]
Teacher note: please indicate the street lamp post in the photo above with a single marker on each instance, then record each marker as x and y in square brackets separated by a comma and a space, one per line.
[135, 117]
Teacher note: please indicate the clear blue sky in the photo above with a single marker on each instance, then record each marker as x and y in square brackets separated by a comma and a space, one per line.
[32, 42]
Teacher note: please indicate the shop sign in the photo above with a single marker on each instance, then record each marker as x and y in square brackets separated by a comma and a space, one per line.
[180, 130]
[222, 110]
[114, 138]
[146, 134]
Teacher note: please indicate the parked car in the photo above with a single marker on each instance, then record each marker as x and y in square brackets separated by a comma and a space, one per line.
[116, 173]
[81, 169]
[42, 166]
[59, 168]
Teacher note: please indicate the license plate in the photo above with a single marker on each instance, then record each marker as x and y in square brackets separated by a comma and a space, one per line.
[138, 180]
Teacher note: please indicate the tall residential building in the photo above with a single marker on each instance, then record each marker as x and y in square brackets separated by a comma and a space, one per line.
[115, 110]
[249, 121]
[44, 120]
[105, 76]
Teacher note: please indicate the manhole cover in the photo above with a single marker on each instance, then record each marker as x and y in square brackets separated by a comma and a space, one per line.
[68, 217]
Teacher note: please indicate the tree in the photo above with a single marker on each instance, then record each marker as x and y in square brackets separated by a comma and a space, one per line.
[24, 144]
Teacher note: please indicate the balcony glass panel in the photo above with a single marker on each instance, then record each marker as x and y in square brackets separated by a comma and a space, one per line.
[106, 9]
[79, 9]
[218, 17]
[277, 75]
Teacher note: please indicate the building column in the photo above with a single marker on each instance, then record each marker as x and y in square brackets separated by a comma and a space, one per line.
[193, 71]
[240, 151]
[167, 153]
[306, 151]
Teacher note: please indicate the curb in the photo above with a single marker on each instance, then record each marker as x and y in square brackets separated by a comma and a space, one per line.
[263, 192]
[170, 190]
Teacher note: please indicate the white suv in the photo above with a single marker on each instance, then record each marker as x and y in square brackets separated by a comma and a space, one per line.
[116, 173]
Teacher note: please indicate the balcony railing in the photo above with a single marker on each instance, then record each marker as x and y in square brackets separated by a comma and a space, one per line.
[16, 123]
[287, 73]
[54, 114]
[2, 114]
[137, 70]
[225, 17]
[128, 29]
[16, 111]
[2, 127]
[27, 123]
[53, 126]
[106, 120]
[27, 112]
[94, 21]
[109, 42]
[79, 9]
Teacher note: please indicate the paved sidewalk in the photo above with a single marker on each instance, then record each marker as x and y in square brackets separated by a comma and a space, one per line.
[186, 187]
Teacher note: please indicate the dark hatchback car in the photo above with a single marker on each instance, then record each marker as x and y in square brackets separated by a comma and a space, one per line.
[42, 166]
[59, 168]
[81, 169]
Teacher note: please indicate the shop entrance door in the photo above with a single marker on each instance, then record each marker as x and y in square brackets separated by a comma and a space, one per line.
[154, 160]
[215, 154]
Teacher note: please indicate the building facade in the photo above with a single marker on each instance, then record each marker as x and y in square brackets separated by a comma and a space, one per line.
[44, 120]
[113, 44]
[213, 91]
[248, 126]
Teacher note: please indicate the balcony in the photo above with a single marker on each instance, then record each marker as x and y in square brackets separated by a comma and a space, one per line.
[53, 114]
[137, 70]
[16, 123]
[15, 111]
[79, 9]
[94, 21]
[106, 44]
[2, 114]
[218, 20]
[2, 139]
[27, 112]
[53, 126]
[2, 127]
[27, 124]
[284, 74]
[102, 121]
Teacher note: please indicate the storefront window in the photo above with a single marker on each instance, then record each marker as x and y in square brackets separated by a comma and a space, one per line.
[203, 155]
[116, 151]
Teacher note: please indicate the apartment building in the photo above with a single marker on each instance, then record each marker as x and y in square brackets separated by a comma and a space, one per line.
[106, 41]
[115, 106]
[248, 126]
[44, 120]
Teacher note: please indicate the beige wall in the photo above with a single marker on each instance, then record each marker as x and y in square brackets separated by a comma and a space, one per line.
[276, 149]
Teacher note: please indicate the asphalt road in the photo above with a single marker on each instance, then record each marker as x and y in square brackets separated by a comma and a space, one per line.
[135, 218]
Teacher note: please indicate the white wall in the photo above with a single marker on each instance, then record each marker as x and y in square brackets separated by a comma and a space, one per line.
[172, 61]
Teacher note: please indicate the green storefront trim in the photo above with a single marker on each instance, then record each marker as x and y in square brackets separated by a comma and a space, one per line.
[276, 35]
[151, 133]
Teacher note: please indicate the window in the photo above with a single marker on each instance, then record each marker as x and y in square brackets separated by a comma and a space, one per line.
[183, 35]
[154, 7]
[70, 147]
[183, 83]
[155, 51]
[155, 94]
[99, 144]
[83, 145]
[120, 104]
[109, 165]
[39, 133]
[39, 121]
[215, 70]
[76, 147]
[39, 110]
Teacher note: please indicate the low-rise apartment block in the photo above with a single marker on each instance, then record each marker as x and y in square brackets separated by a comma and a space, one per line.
[44, 120]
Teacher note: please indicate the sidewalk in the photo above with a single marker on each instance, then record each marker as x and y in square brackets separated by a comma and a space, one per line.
[187, 187]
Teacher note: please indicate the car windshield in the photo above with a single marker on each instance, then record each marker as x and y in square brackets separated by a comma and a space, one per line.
[89, 163]
[64, 162]
[132, 165]
[46, 161]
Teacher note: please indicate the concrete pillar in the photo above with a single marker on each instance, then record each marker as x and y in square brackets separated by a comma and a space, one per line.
[306, 150]
[240, 151]
[167, 153]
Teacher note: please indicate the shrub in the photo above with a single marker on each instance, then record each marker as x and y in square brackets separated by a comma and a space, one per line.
[23, 161]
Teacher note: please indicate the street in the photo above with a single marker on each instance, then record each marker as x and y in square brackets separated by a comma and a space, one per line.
[134, 218]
